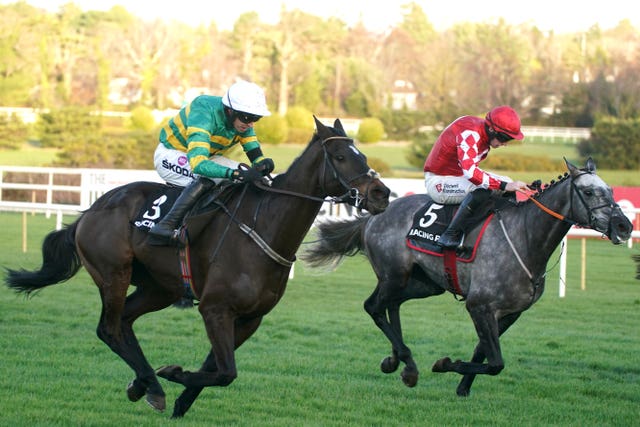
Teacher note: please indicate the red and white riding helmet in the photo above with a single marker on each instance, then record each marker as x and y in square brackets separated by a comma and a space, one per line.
[504, 119]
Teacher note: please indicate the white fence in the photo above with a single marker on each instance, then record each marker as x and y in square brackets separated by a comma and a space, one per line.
[89, 184]
[50, 183]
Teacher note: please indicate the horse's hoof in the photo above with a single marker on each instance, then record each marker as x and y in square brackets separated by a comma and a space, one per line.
[169, 372]
[157, 402]
[135, 392]
[409, 377]
[442, 365]
[389, 365]
[463, 391]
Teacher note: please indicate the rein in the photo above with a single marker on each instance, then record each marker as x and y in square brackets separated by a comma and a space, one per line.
[545, 209]
[351, 194]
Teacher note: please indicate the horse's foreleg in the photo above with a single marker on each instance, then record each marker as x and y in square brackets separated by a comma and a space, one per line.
[243, 330]
[410, 372]
[488, 332]
[377, 308]
[190, 394]
[464, 387]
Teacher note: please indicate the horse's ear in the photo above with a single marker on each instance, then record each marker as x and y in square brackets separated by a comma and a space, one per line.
[319, 125]
[572, 168]
[590, 166]
[337, 124]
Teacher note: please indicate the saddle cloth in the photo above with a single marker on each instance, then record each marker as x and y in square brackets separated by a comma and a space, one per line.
[156, 207]
[431, 220]
[160, 202]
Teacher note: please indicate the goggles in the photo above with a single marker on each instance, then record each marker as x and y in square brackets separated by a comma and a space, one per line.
[247, 118]
[503, 137]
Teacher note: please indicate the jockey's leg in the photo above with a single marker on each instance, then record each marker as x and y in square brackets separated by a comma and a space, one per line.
[166, 228]
[452, 236]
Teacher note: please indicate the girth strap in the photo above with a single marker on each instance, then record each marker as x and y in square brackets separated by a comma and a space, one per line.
[451, 271]
[185, 261]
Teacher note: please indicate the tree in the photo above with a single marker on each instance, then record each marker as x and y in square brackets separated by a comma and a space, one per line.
[20, 29]
[614, 143]
[291, 38]
[493, 58]
[13, 132]
[63, 127]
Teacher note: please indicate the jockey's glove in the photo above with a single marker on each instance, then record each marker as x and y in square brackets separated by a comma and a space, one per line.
[246, 175]
[265, 166]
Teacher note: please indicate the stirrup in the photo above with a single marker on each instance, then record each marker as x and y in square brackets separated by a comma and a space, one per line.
[452, 243]
[163, 239]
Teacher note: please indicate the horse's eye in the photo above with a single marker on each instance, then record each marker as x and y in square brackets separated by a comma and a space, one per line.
[339, 157]
[588, 193]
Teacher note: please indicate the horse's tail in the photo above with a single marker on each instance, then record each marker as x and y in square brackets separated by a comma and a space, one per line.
[636, 258]
[60, 262]
[336, 239]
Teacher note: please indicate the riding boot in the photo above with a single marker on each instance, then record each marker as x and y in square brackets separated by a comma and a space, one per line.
[452, 236]
[166, 229]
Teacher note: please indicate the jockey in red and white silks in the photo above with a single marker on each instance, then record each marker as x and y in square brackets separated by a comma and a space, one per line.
[452, 168]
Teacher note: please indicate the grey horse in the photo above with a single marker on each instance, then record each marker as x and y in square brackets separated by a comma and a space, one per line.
[505, 278]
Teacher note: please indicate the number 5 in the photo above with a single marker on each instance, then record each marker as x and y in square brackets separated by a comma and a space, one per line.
[430, 216]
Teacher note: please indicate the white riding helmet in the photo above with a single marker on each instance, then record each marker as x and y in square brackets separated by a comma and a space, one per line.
[246, 97]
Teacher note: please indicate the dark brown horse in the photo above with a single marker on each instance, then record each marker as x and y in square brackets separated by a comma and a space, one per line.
[240, 259]
[505, 279]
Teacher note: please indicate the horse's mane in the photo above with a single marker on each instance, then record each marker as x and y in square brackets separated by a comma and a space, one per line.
[539, 189]
[310, 144]
[281, 177]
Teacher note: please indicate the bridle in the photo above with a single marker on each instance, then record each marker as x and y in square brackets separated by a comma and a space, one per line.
[352, 196]
[576, 191]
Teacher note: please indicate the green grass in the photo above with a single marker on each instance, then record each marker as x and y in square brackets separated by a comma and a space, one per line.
[315, 359]
[28, 155]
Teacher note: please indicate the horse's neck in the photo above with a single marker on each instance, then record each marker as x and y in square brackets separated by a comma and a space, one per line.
[294, 214]
[543, 230]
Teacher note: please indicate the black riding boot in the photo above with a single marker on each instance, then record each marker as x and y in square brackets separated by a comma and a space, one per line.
[452, 236]
[166, 228]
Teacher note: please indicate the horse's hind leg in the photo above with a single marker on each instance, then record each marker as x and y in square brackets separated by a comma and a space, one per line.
[115, 329]
[376, 306]
[138, 303]
[464, 387]
[384, 308]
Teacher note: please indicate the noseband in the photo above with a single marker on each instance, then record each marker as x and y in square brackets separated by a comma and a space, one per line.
[589, 210]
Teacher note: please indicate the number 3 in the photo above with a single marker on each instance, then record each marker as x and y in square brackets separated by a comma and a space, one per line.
[155, 208]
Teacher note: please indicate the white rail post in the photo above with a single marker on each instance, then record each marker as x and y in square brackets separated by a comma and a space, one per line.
[563, 268]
